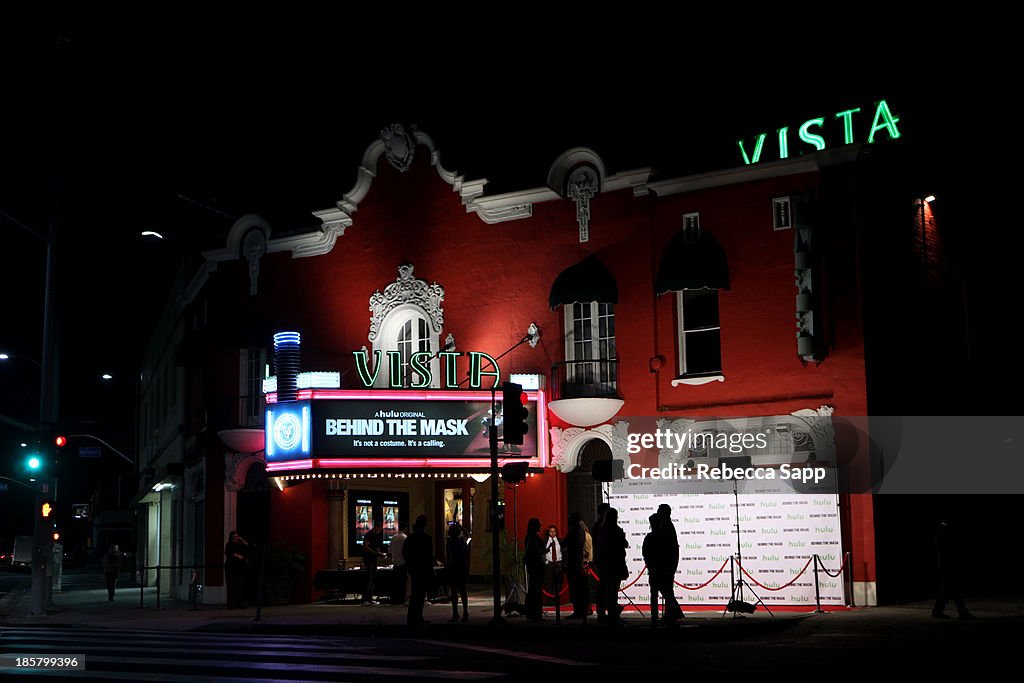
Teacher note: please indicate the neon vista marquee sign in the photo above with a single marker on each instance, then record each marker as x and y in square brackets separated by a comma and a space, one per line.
[419, 370]
[809, 133]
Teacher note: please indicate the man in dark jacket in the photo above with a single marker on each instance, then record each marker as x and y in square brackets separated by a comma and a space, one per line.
[418, 553]
[612, 568]
[668, 562]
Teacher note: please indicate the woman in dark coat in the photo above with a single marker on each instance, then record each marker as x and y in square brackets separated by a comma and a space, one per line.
[612, 569]
[533, 558]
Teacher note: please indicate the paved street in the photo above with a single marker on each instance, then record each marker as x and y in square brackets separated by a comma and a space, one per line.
[121, 641]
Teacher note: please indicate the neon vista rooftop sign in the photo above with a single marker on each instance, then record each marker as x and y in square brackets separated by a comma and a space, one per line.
[809, 133]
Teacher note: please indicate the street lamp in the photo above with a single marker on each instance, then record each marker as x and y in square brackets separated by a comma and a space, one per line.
[923, 203]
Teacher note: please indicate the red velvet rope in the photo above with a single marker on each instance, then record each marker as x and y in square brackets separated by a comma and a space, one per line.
[628, 585]
[697, 588]
[785, 585]
[565, 589]
[842, 566]
[720, 570]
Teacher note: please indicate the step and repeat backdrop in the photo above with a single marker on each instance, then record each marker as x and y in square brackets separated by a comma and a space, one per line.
[779, 531]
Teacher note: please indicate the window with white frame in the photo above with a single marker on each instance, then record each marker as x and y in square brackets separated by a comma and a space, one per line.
[700, 345]
[782, 217]
[413, 336]
[407, 331]
[590, 344]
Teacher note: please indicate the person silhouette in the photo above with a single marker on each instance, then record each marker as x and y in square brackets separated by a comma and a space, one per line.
[418, 553]
[533, 558]
[111, 568]
[949, 559]
[457, 567]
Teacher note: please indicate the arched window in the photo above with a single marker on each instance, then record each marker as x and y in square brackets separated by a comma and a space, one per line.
[407, 318]
[413, 336]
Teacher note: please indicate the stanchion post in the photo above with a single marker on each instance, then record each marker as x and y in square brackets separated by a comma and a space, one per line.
[157, 587]
[848, 571]
[817, 589]
[558, 595]
[732, 585]
[849, 561]
[142, 587]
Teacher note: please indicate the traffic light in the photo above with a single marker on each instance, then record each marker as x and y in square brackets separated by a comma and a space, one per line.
[513, 413]
[56, 537]
[61, 442]
[34, 464]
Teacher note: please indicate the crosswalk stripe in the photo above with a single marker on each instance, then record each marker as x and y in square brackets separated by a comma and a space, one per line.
[152, 677]
[183, 637]
[311, 647]
[376, 671]
[305, 654]
[507, 653]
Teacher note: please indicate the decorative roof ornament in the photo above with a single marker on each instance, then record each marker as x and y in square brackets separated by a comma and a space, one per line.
[583, 184]
[254, 246]
[399, 145]
[407, 290]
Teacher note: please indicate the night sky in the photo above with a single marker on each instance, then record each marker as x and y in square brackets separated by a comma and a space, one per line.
[183, 133]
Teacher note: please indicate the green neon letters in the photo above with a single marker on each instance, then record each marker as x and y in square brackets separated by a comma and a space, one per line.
[419, 371]
[810, 138]
[884, 120]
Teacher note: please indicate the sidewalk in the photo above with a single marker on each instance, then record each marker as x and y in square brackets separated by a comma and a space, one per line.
[90, 608]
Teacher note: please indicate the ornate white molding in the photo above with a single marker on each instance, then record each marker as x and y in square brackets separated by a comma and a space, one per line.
[407, 290]
[399, 145]
[820, 434]
[566, 444]
[620, 441]
[668, 456]
[399, 150]
[697, 381]
[233, 247]
[560, 440]
[236, 466]
[582, 186]
[254, 246]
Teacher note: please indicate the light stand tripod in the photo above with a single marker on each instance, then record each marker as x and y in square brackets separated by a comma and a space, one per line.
[736, 604]
[516, 596]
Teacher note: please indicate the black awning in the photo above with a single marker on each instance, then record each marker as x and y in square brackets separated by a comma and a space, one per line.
[586, 281]
[692, 265]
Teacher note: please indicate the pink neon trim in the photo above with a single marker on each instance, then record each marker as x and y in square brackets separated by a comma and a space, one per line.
[397, 395]
[402, 463]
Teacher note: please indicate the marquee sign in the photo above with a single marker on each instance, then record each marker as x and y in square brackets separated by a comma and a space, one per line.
[419, 368]
[385, 426]
[809, 132]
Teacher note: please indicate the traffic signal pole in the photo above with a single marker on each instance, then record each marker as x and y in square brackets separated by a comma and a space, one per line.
[42, 548]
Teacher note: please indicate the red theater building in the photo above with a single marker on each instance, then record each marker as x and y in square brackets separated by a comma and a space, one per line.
[624, 302]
